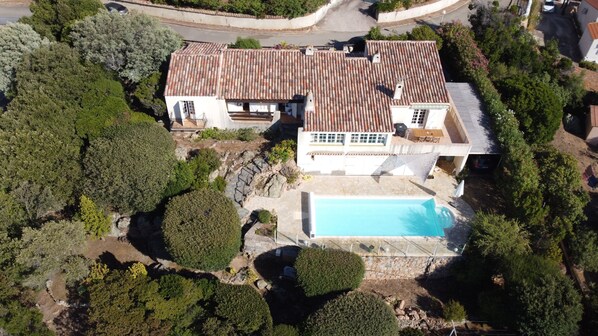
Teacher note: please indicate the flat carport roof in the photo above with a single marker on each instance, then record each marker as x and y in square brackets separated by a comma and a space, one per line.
[476, 121]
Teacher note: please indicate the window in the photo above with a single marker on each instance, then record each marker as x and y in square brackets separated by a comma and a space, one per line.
[419, 117]
[188, 108]
[368, 138]
[333, 138]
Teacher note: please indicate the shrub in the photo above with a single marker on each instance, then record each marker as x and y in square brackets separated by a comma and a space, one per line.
[282, 152]
[97, 224]
[243, 134]
[411, 332]
[202, 164]
[246, 134]
[589, 65]
[219, 184]
[325, 271]
[497, 237]
[584, 249]
[137, 270]
[454, 311]
[181, 179]
[355, 313]
[264, 216]
[202, 230]
[425, 33]
[246, 43]
[244, 308]
[285, 330]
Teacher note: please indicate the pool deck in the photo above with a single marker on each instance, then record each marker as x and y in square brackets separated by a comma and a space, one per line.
[293, 222]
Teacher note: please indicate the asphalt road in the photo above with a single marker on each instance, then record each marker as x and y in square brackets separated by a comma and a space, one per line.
[344, 22]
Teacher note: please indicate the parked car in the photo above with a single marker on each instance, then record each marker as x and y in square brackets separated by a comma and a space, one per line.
[549, 6]
[114, 7]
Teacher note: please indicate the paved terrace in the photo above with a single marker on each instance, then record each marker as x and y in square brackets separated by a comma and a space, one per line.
[293, 221]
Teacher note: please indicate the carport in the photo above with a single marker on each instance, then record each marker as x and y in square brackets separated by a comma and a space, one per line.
[484, 155]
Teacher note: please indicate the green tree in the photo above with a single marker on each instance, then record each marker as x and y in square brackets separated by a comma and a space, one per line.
[454, 311]
[497, 237]
[12, 214]
[16, 39]
[246, 43]
[205, 161]
[53, 18]
[53, 248]
[284, 330]
[36, 200]
[202, 230]
[243, 308]
[129, 166]
[355, 313]
[584, 249]
[425, 33]
[96, 222]
[323, 271]
[181, 179]
[149, 92]
[133, 45]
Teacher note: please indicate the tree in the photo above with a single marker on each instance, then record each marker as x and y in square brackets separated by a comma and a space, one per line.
[536, 106]
[54, 247]
[36, 200]
[12, 214]
[202, 230]
[243, 308]
[284, 330]
[425, 33]
[129, 166]
[356, 313]
[326, 271]
[150, 93]
[205, 161]
[97, 224]
[16, 39]
[246, 43]
[133, 45]
[454, 311]
[497, 237]
[584, 249]
[53, 18]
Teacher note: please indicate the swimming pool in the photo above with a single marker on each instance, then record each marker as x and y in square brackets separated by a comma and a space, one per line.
[336, 216]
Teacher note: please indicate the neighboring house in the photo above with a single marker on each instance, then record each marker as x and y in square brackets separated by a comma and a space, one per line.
[385, 111]
[588, 44]
[592, 126]
[587, 12]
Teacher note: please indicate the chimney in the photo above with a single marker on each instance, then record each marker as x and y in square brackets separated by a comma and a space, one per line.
[309, 102]
[398, 90]
[376, 57]
[309, 51]
[347, 48]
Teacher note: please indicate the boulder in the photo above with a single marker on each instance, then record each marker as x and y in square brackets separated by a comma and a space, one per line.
[261, 284]
[401, 304]
[399, 312]
[247, 156]
[123, 223]
[275, 186]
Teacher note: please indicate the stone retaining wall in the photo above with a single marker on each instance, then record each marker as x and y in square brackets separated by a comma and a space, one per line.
[379, 268]
[206, 17]
[414, 12]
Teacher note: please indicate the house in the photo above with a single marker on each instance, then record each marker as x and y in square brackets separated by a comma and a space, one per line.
[587, 12]
[587, 16]
[384, 111]
[592, 126]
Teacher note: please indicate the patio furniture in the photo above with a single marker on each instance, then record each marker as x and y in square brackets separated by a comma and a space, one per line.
[427, 135]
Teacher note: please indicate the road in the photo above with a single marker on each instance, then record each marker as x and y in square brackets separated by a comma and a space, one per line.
[344, 22]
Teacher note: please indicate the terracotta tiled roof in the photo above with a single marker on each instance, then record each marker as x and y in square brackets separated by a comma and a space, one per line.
[594, 115]
[593, 3]
[593, 29]
[351, 94]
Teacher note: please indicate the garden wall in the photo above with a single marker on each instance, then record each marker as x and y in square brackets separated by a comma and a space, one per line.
[206, 17]
[379, 268]
[414, 12]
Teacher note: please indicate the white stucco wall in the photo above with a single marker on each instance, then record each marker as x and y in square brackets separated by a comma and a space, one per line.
[416, 11]
[588, 47]
[434, 118]
[586, 14]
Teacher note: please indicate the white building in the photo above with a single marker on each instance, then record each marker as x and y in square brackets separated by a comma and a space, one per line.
[588, 44]
[353, 109]
[587, 12]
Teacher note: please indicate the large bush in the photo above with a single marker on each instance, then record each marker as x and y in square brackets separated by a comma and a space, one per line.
[258, 8]
[202, 230]
[325, 271]
[496, 236]
[584, 249]
[129, 167]
[355, 313]
[243, 308]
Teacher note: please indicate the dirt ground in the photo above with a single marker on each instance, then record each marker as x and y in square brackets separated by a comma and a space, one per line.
[110, 250]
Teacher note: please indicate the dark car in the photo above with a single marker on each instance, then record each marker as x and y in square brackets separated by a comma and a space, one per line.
[114, 7]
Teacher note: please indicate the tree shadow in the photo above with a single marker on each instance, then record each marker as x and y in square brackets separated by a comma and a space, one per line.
[426, 190]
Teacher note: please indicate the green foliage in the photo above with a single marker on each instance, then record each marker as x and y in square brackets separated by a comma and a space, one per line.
[202, 230]
[16, 39]
[243, 308]
[246, 43]
[497, 237]
[376, 35]
[282, 152]
[50, 249]
[392, 5]
[355, 313]
[129, 167]
[149, 92]
[12, 214]
[264, 216]
[243, 134]
[454, 311]
[133, 45]
[425, 33]
[284, 330]
[323, 271]
[462, 50]
[411, 332]
[97, 272]
[584, 249]
[588, 65]
[97, 224]
[205, 161]
[258, 8]
[219, 184]
[181, 180]
[137, 270]
[54, 18]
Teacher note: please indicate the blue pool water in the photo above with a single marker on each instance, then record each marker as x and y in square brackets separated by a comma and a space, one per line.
[379, 217]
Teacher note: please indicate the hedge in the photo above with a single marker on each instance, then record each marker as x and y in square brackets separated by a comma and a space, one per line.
[202, 230]
[321, 272]
[355, 313]
[244, 308]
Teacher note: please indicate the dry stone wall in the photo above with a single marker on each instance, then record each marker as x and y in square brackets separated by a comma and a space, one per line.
[379, 268]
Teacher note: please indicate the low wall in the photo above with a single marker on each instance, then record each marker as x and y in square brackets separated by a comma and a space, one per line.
[414, 12]
[228, 19]
[379, 268]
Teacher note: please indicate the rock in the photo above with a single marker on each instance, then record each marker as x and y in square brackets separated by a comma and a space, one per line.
[181, 153]
[247, 156]
[399, 312]
[213, 175]
[123, 223]
[195, 136]
[401, 304]
[261, 284]
[275, 186]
